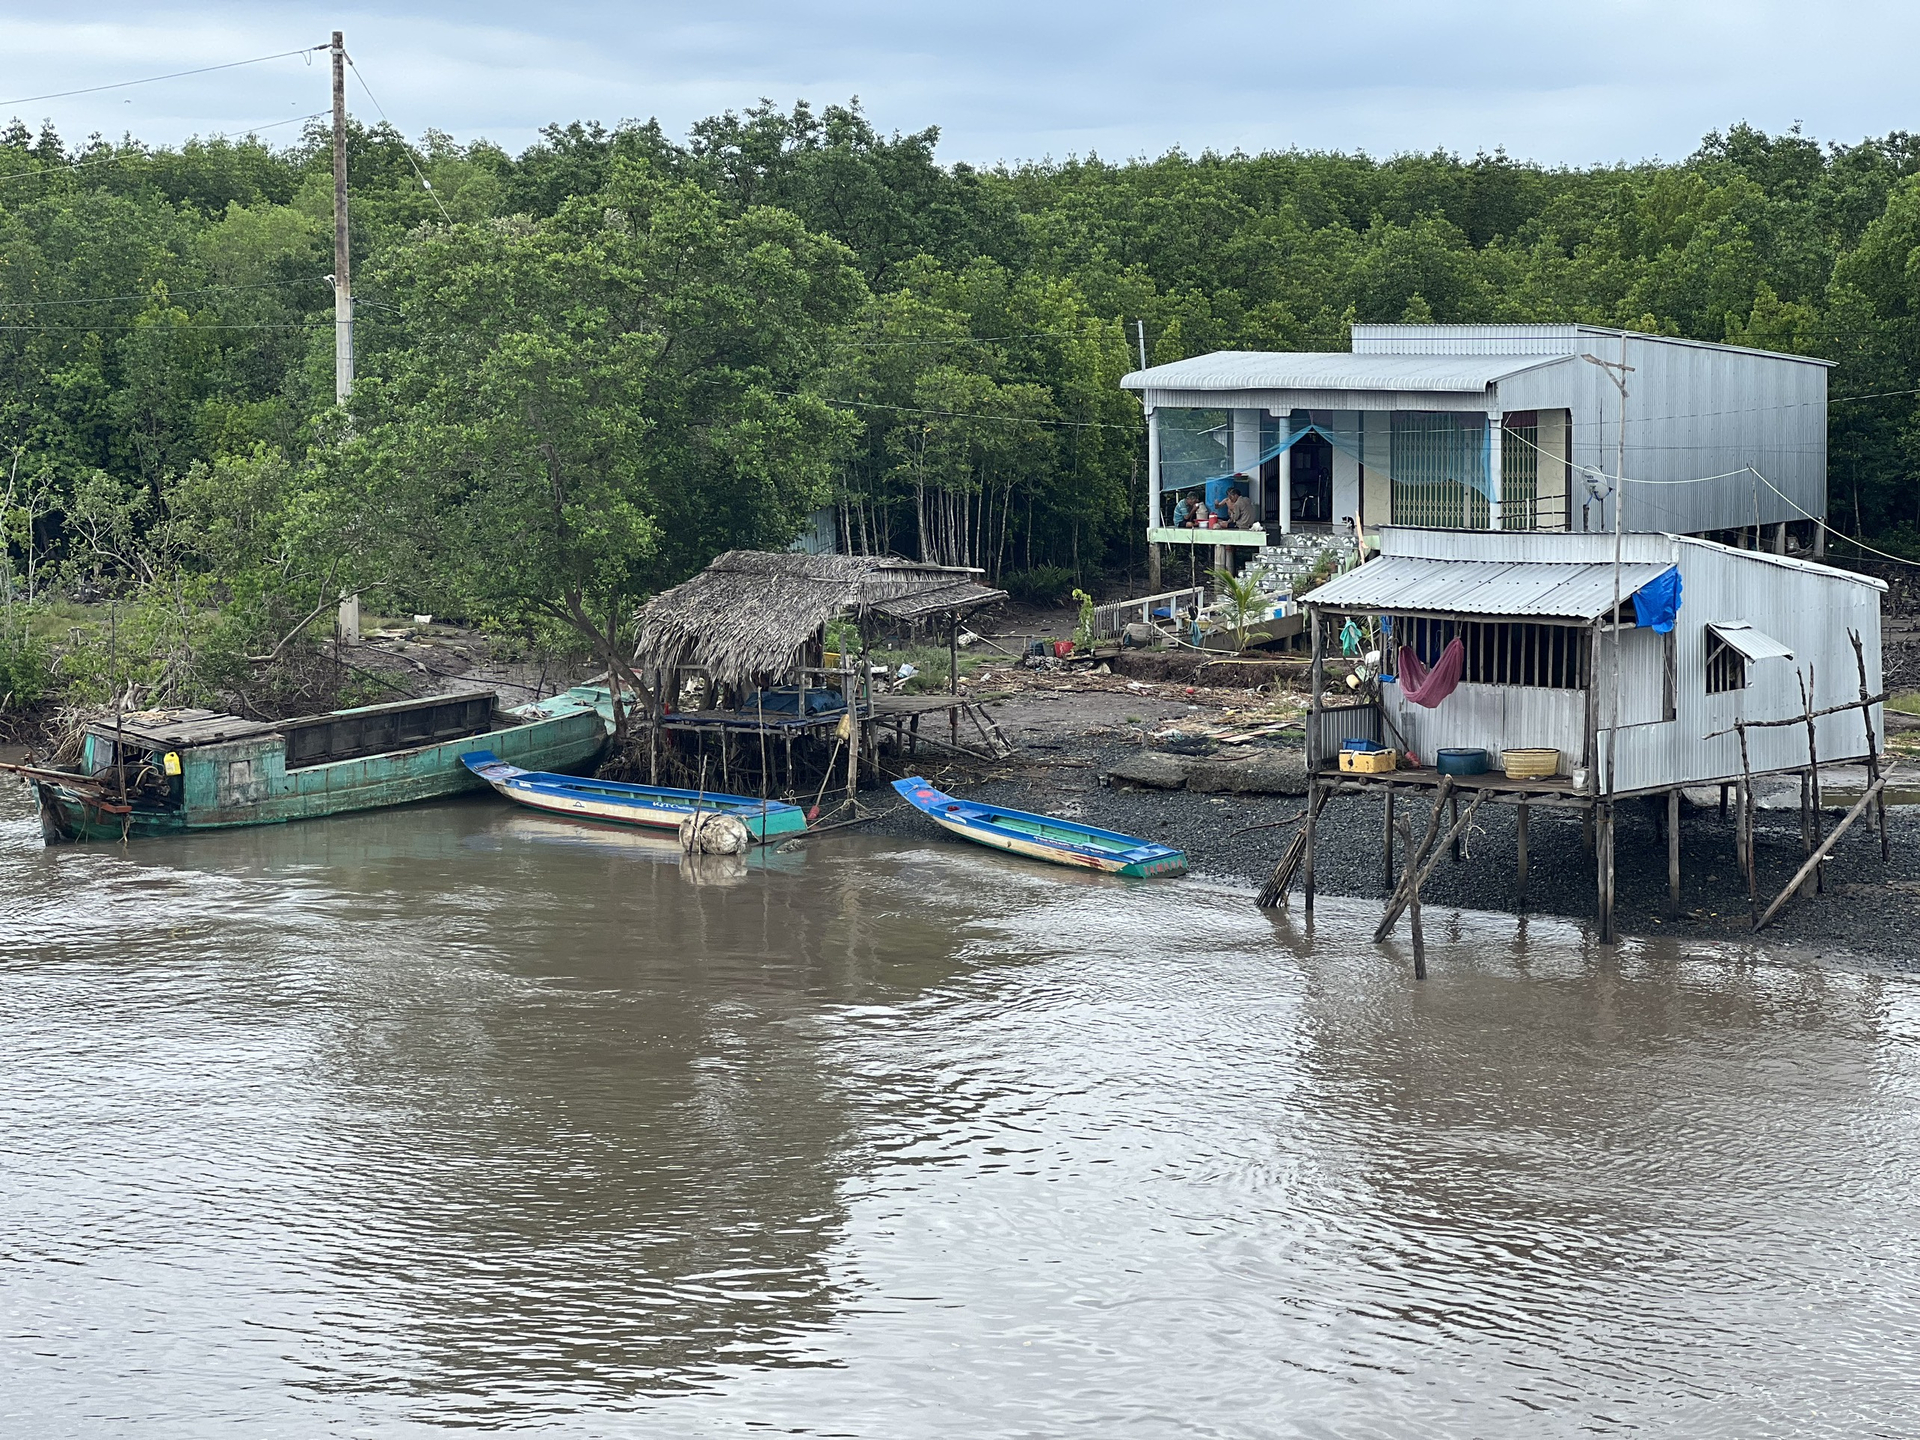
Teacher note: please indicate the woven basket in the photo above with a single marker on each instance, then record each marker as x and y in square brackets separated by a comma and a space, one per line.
[1530, 764]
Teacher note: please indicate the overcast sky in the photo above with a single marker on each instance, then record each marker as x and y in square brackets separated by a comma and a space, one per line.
[1560, 83]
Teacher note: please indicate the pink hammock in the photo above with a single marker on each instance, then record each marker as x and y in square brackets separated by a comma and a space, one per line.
[1429, 687]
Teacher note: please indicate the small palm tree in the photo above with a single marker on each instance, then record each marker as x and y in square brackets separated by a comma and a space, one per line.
[1243, 598]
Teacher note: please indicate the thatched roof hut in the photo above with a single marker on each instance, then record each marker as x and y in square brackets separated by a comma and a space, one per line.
[745, 617]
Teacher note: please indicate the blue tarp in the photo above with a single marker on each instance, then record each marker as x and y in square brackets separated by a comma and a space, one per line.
[1657, 603]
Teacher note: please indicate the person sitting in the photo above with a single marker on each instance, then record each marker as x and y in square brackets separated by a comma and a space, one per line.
[1185, 515]
[1240, 512]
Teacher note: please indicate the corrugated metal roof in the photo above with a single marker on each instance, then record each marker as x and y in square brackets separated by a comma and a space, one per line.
[1578, 591]
[1308, 370]
[1752, 643]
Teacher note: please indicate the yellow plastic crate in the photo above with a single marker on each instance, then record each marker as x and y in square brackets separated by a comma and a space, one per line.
[1368, 762]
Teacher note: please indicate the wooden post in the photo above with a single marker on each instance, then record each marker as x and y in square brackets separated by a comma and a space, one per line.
[1274, 892]
[1521, 864]
[1456, 829]
[1723, 802]
[852, 697]
[953, 673]
[1603, 861]
[1813, 777]
[1426, 858]
[1873, 745]
[1313, 829]
[1411, 881]
[1673, 850]
[1746, 824]
[1386, 840]
[1318, 674]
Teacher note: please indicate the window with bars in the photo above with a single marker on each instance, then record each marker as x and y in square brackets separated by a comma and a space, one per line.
[1726, 666]
[1439, 469]
[1520, 471]
[1506, 652]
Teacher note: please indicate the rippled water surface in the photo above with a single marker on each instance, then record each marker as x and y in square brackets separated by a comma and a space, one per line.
[452, 1116]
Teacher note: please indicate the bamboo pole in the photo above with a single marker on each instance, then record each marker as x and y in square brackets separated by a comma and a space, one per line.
[1313, 835]
[1274, 892]
[1603, 869]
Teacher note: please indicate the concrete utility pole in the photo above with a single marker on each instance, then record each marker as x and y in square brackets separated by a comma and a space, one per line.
[349, 619]
[1616, 371]
[342, 267]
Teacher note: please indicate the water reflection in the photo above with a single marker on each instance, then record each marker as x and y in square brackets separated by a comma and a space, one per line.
[457, 1114]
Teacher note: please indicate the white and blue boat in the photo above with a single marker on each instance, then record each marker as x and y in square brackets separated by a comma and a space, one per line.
[1043, 837]
[618, 803]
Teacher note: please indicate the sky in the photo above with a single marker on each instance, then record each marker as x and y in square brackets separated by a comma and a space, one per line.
[1572, 84]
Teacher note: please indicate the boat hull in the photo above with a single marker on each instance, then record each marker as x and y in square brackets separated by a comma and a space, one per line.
[370, 782]
[1043, 837]
[649, 807]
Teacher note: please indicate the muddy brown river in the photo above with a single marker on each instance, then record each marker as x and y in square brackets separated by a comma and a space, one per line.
[455, 1117]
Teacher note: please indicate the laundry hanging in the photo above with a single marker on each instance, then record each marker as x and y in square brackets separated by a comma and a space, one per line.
[1429, 687]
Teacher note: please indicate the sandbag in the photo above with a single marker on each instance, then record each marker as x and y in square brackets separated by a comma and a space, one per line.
[711, 833]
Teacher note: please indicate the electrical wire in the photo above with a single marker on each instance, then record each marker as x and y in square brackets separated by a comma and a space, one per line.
[201, 290]
[155, 79]
[425, 184]
[1838, 535]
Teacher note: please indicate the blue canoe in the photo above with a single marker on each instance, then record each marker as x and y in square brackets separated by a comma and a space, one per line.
[1063, 842]
[621, 804]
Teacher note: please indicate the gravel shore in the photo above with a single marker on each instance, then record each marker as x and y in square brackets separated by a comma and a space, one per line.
[1870, 910]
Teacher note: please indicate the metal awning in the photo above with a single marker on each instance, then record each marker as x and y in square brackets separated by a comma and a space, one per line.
[1407, 584]
[1751, 643]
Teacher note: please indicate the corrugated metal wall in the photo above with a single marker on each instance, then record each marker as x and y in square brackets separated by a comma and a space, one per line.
[1805, 606]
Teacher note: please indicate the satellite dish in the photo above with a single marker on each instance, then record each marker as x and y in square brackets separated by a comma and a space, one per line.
[1598, 485]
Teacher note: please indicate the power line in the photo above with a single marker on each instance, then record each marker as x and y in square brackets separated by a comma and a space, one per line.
[425, 184]
[155, 79]
[201, 290]
[194, 324]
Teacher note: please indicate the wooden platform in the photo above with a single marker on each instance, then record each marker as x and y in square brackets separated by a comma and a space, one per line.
[1552, 790]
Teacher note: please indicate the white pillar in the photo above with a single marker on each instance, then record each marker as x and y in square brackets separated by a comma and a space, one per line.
[1494, 441]
[1284, 478]
[1246, 439]
[1153, 496]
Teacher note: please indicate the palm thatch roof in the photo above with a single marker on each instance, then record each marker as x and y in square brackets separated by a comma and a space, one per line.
[745, 617]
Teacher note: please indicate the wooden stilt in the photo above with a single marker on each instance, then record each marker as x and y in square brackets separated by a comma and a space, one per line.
[1521, 862]
[1313, 833]
[1586, 831]
[1813, 777]
[1723, 802]
[1873, 745]
[1386, 840]
[1746, 826]
[1427, 862]
[1411, 880]
[1603, 860]
[1455, 849]
[1673, 850]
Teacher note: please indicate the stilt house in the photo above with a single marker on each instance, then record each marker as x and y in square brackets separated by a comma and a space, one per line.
[1681, 663]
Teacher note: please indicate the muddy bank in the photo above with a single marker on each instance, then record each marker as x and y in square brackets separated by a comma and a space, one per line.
[1870, 910]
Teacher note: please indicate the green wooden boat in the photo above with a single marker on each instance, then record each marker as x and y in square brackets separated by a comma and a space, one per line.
[188, 770]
